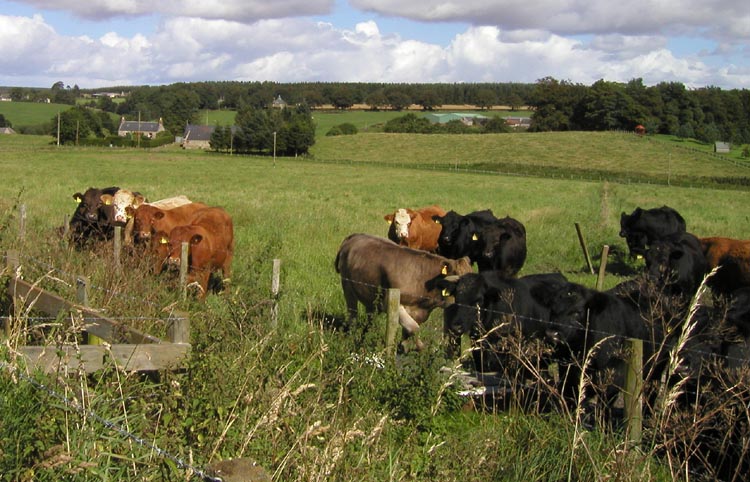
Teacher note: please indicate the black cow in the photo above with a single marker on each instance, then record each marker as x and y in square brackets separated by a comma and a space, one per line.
[93, 220]
[490, 308]
[459, 234]
[676, 263]
[643, 226]
[502, 247]
[594, 326]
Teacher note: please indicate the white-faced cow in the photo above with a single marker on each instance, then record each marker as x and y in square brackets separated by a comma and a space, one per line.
[415, 228]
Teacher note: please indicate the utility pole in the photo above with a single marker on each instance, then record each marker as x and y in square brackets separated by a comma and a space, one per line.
[274, 148]
[58, 128]
[138, 143]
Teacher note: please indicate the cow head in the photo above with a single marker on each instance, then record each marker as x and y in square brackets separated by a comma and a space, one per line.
[458, 234]
[121, 201]
[400, 221]
[90, 204]
[677, 262]
[468, 293]
[568, 314]
[143, 219]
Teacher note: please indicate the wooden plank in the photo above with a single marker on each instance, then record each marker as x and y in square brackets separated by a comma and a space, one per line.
[91, 358]
[585, 249]
[95, 324]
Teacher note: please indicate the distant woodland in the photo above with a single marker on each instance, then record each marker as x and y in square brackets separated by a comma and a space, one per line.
[707, 114]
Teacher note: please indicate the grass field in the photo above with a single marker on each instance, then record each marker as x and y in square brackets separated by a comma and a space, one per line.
[292, 397]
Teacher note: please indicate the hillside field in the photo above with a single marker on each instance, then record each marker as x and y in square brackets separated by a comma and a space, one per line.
[293, 397]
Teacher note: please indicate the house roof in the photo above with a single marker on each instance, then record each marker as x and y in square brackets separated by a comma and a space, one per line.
[7, 130]
[443, 118]
[196, 132]
[135, 126]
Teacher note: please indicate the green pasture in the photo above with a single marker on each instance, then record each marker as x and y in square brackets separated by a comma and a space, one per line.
[290, 395]
[30, 113]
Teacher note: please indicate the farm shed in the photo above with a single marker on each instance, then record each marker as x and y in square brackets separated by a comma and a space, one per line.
[197, 136]
[468, 119]
[147, 129]
[7, 130]
[721, 147]
[516, 122]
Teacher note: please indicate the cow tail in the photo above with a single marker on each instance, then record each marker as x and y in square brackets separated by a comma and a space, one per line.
[336, 261]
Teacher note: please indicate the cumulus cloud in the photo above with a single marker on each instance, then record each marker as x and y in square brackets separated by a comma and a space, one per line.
[236, 10]
[574, 16]
[186, 49]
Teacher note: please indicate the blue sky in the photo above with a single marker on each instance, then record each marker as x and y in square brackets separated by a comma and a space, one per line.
[100, 43]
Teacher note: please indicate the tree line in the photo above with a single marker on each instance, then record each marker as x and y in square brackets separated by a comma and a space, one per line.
[707, 114]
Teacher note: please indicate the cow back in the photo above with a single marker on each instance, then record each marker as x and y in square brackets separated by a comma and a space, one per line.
[149, 219]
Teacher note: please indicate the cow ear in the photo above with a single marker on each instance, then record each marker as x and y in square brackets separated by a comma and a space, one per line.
[107, 199]
[447, 286]
[197, 238]
[138, 199]
[388, 218]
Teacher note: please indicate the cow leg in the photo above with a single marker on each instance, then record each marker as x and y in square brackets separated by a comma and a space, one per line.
[351, 300]
[408, 323]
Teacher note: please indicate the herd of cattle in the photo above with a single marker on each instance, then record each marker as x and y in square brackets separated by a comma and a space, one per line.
[430, 254]
[159, 228]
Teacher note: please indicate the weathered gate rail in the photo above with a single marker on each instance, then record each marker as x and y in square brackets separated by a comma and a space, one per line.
[125, 347]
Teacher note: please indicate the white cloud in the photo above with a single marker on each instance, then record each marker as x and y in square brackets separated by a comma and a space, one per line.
[574, 16]
[235, 10]
[294, 50]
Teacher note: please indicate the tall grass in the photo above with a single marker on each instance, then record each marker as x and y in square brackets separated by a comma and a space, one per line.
[306, 401]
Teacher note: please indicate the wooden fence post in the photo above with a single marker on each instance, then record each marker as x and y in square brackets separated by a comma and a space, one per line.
[82, 297]
[275, 283]
[633, 392]
[585, 249]
[178, 330]
[392, 324]
[602, 268]
[184, 252]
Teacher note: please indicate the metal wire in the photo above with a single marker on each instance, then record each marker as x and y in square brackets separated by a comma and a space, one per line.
[67, 402]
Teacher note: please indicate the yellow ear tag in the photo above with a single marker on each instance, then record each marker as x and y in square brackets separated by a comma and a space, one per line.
[639, 256]
[446, 293]
[164, 241]
[389, 222]
[474, 237]
[107, 203]
[77, 199]
[436, 221]
[444, 271]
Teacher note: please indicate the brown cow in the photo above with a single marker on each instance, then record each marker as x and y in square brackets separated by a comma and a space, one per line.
[368, 265]
[415, 228]
[211, 246]
[732, 256]
[149, 219]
